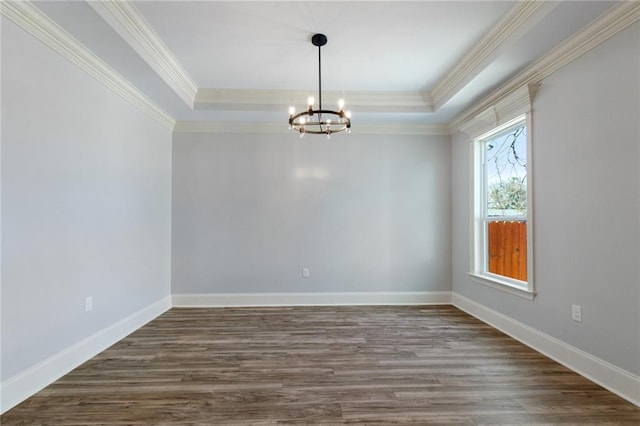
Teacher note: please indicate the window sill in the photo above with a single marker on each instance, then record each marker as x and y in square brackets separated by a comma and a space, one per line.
[501, 285]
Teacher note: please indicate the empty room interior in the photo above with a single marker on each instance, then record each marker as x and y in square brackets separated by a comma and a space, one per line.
[306, 212]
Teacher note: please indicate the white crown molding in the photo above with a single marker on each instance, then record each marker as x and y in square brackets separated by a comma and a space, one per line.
[21, 386]
[517, 21]
[398, 129]
[604, 27]
[607, 25]
[129, 23]
[311, 299]
[615, 379]
[274, 100]
[31, 19]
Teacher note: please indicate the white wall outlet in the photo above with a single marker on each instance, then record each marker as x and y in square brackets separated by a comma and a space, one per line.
[88, 304]
[576, 313]
[305, 272]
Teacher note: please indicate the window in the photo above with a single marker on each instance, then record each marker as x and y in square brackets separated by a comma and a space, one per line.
[501, 218]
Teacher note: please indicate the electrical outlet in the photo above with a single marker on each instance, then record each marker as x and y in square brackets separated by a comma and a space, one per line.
[305, 272]
[88, 304]
[576, 313]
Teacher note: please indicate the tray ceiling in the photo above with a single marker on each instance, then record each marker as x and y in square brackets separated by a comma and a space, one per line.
[421, 62]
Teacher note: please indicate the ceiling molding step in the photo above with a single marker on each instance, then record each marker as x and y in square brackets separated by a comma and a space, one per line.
[229, 127]
[27, 16]
[280, 100]
[616, 19]
[401, 129]
[511, 27]
[134, 29]
[273, 128]
[607, 25]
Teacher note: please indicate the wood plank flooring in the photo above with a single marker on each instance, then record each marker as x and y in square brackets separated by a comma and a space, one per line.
[321, 365]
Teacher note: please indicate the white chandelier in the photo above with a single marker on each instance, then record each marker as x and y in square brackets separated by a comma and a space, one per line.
[320, 121]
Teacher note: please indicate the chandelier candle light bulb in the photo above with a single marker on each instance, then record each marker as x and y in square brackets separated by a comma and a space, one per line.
[313, 120]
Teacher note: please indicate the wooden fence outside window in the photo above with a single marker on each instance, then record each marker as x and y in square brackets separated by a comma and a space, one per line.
[508, 248]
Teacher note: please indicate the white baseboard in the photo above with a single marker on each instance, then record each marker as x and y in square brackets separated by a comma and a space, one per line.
[616, 380]
[21, 386]
[316, 299]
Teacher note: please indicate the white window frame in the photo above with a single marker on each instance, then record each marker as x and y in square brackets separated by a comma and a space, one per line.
[479, 247]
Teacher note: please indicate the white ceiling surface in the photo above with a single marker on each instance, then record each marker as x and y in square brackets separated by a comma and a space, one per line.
[373, 46]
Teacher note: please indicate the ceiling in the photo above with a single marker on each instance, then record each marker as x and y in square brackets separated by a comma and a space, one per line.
[421, 62]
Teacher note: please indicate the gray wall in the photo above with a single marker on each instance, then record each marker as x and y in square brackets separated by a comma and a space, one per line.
[86, 200]
[586, 176]
[364, 213]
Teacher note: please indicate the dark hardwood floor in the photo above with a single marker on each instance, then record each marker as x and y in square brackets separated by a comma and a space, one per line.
[321, 365]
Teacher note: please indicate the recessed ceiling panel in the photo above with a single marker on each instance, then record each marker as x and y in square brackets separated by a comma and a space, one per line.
[382, 46]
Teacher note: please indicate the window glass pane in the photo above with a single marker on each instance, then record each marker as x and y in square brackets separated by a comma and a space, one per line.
[506, 173]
